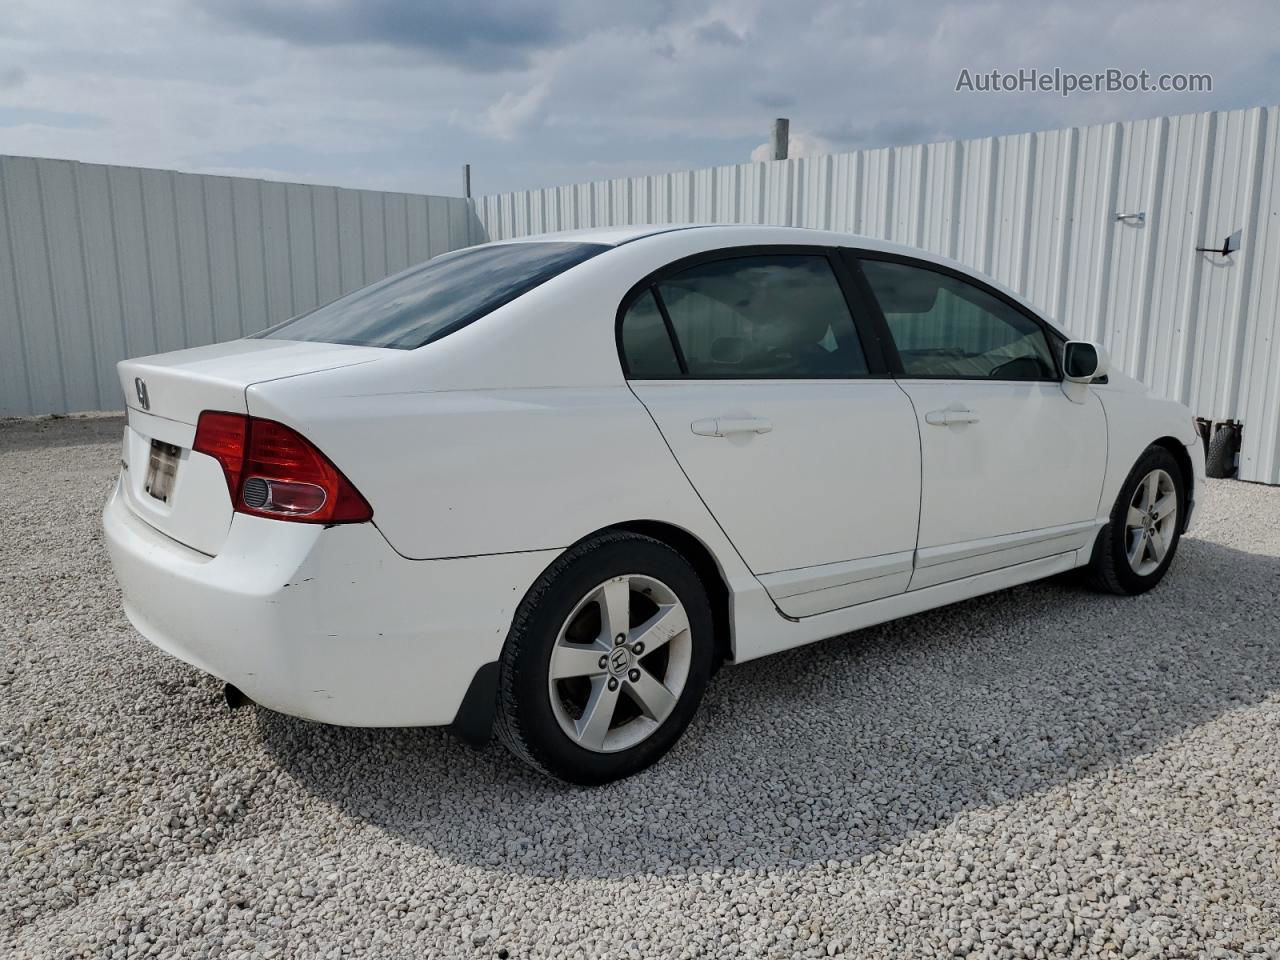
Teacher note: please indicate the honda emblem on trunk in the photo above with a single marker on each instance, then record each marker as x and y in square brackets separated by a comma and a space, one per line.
[140, 386]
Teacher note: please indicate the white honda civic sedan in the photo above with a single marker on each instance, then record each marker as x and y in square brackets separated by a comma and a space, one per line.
[548, 486]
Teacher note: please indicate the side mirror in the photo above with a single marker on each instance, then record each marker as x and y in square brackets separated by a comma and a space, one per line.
[1083, 361]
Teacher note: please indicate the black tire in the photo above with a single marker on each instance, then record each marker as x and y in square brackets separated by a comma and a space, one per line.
[1110, 569]
[1220, 460]
[526, 719]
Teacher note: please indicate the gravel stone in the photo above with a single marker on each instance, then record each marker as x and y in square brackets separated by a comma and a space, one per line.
[1046, 772]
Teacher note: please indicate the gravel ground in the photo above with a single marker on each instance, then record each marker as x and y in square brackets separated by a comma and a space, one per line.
[1044, 772]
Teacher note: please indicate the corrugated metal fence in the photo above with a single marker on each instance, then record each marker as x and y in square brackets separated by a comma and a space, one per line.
[99, 263]
[1038, 211]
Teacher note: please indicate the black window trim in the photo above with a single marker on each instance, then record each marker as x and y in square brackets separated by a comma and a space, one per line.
[670, 327]
[854, 256]
[869, 339]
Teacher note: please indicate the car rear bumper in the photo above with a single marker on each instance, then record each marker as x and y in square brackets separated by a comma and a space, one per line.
[329, 624]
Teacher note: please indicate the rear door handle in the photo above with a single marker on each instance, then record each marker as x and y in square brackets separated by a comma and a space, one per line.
[727, 426]
[951, 416]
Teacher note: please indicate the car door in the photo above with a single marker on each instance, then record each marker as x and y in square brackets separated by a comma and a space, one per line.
[801, 445]
[1012, 467]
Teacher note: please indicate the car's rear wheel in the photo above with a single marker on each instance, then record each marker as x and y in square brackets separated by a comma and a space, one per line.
[1135, 549]
[607, 659]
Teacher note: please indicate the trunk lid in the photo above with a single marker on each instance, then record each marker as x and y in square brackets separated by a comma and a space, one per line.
[180, 385]
[181, 493]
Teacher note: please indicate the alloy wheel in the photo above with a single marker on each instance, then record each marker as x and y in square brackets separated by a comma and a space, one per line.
[620, 662]
[1151, 522]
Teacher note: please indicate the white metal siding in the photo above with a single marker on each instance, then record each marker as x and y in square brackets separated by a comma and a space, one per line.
[1037, 211]
[99, 263]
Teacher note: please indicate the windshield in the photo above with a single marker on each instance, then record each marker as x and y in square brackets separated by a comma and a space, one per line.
[433, 299]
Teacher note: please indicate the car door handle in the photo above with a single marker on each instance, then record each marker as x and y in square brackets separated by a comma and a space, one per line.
[727, 426]
[951, 416]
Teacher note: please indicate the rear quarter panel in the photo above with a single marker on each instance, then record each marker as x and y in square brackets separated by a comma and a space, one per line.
[468, 472]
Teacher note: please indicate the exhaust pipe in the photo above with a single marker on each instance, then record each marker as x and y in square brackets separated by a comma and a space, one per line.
[234, 696]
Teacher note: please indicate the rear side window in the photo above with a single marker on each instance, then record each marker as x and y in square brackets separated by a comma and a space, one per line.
[645, 342]
[431, 300]
[945, 327]
[756, 317]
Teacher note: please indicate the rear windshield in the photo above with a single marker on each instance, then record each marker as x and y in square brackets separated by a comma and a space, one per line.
[433, 299]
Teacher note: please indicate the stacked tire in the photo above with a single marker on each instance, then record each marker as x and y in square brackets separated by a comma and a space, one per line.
[1220, 459]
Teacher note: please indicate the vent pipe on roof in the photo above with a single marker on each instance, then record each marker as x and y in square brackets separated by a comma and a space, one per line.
[781, 136]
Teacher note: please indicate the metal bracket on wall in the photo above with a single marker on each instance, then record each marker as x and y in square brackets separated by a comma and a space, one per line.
[1229, 246]
[1132, 217]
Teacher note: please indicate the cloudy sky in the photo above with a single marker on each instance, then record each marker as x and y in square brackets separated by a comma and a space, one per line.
[397, 94]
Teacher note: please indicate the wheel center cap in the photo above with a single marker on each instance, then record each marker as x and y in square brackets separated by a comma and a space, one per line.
[619, 661]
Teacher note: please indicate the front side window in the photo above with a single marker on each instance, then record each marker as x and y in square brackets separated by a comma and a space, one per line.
[945, 327]
[432, 299]
[769, 316]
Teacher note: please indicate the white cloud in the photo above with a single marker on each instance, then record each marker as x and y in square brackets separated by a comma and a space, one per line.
[799, 144]
[516, 112]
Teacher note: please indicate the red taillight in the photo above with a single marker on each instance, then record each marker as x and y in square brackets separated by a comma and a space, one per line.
[222, 436]
[274, 471]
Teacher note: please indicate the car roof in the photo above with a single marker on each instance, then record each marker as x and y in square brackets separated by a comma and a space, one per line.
[618, 235]
[733, 234]
[611, 236]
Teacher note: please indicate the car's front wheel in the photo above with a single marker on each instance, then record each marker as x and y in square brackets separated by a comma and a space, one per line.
[606, 661]
[1135, 549]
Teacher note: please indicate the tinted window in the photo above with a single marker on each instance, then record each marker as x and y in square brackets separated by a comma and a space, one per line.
[944, 327]
[435, 298]
[645, 342]
[766, 316]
